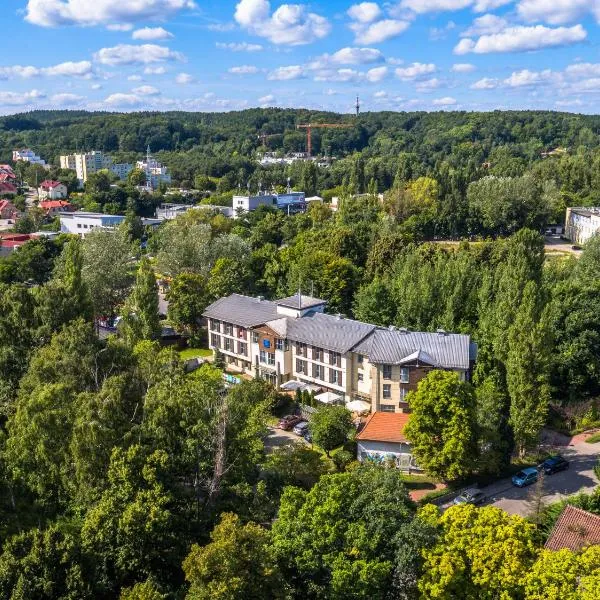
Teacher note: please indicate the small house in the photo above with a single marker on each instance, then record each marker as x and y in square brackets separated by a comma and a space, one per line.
[52, 190]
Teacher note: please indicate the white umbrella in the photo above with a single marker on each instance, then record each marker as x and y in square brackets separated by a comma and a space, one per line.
[358, 406]
[328, 398]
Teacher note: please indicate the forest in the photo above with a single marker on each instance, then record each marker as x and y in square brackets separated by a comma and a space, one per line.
[122, 476]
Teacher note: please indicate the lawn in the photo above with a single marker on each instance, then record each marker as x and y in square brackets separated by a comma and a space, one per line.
[195, 352]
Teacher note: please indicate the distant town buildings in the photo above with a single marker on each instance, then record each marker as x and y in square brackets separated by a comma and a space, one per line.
[581, 224]
[8, 210]
[27, 155]
[52, 190]
[169, 211]
[7, 174]
[88, 163]
[290, 202]
[156, 173]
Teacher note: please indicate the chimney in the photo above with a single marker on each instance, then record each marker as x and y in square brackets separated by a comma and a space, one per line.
[260, 298]
[442, 332]
[392, 328]
[339, 316]
[404, 330]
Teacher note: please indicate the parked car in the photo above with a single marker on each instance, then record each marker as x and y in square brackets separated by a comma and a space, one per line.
[525, 477]
[289, 421]
[554, 464]
[301, 428]
[308, 436]
[470, 496]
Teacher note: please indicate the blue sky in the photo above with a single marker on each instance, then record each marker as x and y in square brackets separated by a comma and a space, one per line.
[223, 55]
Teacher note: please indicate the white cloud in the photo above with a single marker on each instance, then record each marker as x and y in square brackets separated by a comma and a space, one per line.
[290, 24]
[428, 85]
[268, 99]
[120, 27]
[149, 34]
[463, 68]
[485, 25]
[377, 74]
[580, 70]
[123, 100]
[446, 101]
[52, 13]
[427, 6]
[287, 73]
[522, 39]
[486, 83]
[526, 78]
[339, 75]
[380, 94]
[20, 99]
[67, 99]
[357, 56]
[135, 78]
[221, 27]
[557, 12]
[146, 90]
[239, 47]
[184, 78]
[155, 71]
[67, 69]
[243, 70]
[96, 86]
[380, 31]
[126, 54]
[567, 103]
[415, 70]
[365, 12]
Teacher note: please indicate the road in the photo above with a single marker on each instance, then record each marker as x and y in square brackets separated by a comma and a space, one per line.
[277, 438]
[579, 477]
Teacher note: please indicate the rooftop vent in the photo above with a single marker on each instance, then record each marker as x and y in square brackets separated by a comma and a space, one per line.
[442, 332]
[392, 328]
[260, 298]
[403, 329]
[340, 316]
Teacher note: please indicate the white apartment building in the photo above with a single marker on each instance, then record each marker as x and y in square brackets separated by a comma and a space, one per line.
[27, 155]
[91, 162]
[156, 173]
[581, 224]
[290, 202]
[293, 339]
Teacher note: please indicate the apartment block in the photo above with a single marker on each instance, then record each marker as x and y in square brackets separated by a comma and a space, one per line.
[294, 339]
[91, 162]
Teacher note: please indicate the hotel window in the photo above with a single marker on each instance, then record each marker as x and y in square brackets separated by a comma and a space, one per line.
[360, 358]
[228, 329]
[387, 408]
[317, 354]
[387, 390]
[387, 371]
[404, 375]
[318, 371]
[300, 366]
[215, 325]
[242, 348]
[255, 337]
[227, 344]
[279, 344]
[241, 333]
[271, 358]
[335, 377]
[361, 377]
[334, 359]
[215, 340]
[403, 393]
[301, 349]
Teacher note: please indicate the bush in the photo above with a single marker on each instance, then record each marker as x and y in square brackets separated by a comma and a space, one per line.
[341, 459]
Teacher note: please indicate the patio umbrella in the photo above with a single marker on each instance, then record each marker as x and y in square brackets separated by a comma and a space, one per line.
[358, 406]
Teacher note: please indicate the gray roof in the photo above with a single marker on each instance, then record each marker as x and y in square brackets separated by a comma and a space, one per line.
[395, 347]
[327, 331]
[244, 311]
[300, 301]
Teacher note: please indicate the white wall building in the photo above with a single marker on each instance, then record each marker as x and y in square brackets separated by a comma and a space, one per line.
[91, 162]
[27, 155]
[81, 223]
[581, 224]
[156, 173]
[290, 202]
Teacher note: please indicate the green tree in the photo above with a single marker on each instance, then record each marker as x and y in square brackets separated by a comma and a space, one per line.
[227, 276]
[237, 564]
[136, 177]
[479, 553]
[141, 320]
[308, 178]
[527, 365]
[330, 427]
[142, 591]
[99, 181]
[187, 297]
[351, 536]
[442, 425]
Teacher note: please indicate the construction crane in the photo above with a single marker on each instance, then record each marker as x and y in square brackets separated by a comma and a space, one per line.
[265, 136]
[310, 126]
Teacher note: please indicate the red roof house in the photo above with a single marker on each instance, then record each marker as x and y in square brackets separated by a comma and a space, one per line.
[52, 190]
[51, 207]
[7, 189]
[575, 529]
[8, 210]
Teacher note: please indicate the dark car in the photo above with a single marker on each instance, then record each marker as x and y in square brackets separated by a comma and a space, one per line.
[307, 436]
[289, 421]
[554, 464]
[471, 496]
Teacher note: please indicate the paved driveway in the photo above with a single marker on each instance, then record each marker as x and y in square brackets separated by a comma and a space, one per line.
[278, 437]
[579, 477]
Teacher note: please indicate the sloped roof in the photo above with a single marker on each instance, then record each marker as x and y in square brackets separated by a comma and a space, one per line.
[48, 184]
[300, 301]
[575, 529]
[244, 311]
[394, 346]
[279, 326]
[328, 331]
[384, 427]
[7, 187]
